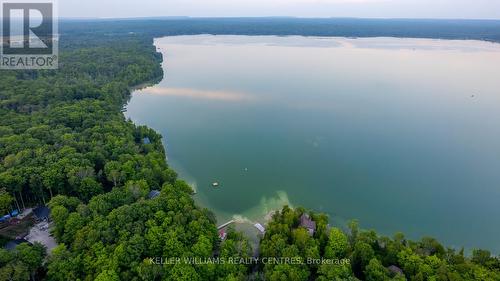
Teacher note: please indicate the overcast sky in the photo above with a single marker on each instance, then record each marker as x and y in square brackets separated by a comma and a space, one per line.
[462, 9]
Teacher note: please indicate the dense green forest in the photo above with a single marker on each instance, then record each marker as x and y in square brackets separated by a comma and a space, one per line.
[370, 257]
[65, 143]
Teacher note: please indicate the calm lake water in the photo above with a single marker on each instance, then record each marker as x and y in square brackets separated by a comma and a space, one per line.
[402, 134]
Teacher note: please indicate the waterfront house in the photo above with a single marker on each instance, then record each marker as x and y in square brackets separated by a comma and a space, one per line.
[308, 223]
[395, 270]
[153, 194]
[42, 213]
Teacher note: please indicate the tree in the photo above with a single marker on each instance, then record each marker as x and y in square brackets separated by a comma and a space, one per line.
[288, 272]
[5, 201]
[61, 265]
[362, 255]
[183, 272]
[375, 271]
[337, 244]
[23, 263]
[107, 275]
[334, 272]
[481, 257]
[31, 256]
[114, 173]
[59, 214]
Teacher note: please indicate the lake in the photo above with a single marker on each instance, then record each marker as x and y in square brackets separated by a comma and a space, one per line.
[401, 134]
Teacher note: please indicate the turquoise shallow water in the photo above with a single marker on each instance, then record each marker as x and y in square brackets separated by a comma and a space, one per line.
[402, 134]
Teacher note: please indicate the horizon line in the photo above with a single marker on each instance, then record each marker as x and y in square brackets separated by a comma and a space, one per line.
[271, 17]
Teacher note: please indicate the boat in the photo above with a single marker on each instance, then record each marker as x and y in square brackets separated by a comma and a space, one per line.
[215, 184]
[261, 228]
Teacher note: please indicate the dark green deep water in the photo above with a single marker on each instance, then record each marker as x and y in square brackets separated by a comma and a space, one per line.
[402, 134]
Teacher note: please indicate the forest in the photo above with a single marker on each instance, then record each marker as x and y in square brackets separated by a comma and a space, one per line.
[65, 143]
[488, 30]
[370, 256]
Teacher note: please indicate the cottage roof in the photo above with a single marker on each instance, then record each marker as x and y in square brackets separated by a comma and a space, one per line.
[307, 222]
[41, 212]
[153, 194]
[395, 269]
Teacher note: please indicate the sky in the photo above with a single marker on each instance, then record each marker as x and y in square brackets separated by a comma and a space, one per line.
[456, 9]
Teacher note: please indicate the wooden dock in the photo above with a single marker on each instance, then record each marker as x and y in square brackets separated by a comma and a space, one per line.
[226, 224]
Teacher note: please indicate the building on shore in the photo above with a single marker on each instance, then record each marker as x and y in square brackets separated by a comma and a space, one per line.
[308, 223]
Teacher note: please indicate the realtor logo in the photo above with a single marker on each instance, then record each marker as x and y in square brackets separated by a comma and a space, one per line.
[28, 35]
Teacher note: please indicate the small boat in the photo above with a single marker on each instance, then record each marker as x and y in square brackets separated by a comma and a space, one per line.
[215, 184]
[261, 228]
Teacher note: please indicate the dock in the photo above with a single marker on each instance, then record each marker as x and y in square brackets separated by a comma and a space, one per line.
[226, 224]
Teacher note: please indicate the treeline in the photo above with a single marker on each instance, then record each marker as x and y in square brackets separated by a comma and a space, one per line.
[356, 254]
[488, 30]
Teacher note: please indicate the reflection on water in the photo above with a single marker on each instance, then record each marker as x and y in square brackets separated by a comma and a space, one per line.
[401, 134]
[198, 94]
